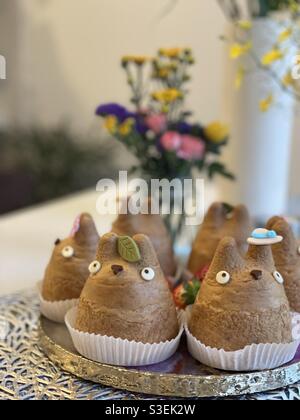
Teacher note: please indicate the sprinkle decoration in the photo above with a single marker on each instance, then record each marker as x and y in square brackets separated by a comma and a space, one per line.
[76, 226]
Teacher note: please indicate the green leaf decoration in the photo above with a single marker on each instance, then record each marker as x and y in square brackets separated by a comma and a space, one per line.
[128, 249]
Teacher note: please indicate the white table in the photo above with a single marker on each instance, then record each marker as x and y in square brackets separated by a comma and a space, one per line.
[27, 237]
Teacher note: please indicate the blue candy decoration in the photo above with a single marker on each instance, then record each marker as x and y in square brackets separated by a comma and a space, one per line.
[268, 234]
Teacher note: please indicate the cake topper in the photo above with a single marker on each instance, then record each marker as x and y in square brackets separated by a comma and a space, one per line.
[76, 226]
[127, 295]
[67, 270]
[242, 300]
[128, 249]
[264, 237]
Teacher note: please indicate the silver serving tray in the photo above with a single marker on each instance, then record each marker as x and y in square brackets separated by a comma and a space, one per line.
[180, 376]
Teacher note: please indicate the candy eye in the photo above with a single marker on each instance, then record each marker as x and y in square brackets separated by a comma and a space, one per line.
[68, 252]
[223, 277]
[148, 274]
[278, 277]
[94, 267]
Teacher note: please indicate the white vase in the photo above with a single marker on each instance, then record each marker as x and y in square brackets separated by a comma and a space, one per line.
[260, 145]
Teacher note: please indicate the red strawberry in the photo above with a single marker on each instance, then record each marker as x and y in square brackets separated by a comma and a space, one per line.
[178, 295]
[200, 275]
[185, 294]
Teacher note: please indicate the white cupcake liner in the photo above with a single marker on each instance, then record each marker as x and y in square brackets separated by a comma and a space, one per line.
[55, 311]
[252, 358]
[296, 325]
[118, 352]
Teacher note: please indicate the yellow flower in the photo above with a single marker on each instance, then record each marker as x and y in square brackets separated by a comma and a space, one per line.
[265, 104]
[240, 76]
[167, 96]
[171, 52]
[246, 25]
[285, 35]
[217, 132]
[237, 50]
[288, 80]
[270, 57]
[126, 127]
[164, 72]
[294, 6]
[136, 59]
[111, 124]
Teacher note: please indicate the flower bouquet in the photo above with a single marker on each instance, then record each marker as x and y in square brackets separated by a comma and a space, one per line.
[158, 130]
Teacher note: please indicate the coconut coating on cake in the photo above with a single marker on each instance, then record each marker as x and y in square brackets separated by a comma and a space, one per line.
[118, 302]
[241, 301]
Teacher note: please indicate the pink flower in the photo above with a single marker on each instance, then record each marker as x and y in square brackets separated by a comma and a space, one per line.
[156, 122]
[192, 148]
[171, 141]
[186, 147]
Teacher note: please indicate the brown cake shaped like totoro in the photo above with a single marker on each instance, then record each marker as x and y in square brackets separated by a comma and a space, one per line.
[126, 295]
[287, 260]
[219, 222]
[67, 270]
[242, 301]
[151, 225]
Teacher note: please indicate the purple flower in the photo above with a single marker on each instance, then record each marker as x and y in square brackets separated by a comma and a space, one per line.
[114, 109]
[184, 128]
[140, 125]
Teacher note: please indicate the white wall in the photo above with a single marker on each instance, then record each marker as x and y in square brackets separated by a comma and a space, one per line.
[63, 56]
[295, 169]
[70, 51]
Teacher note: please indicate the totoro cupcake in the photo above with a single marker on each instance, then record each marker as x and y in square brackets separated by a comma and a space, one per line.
[220, 221]
[153, 226]
[241, 320]
[67, 270]
[126, 314]
[287, 260]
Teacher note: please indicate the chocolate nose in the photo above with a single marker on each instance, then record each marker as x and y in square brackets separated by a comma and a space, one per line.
[117, 269]
[256, 274]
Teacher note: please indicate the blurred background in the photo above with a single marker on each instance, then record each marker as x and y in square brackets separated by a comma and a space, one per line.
[63, 60]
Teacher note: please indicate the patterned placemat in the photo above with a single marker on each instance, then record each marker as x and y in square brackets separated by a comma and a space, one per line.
[27, 374]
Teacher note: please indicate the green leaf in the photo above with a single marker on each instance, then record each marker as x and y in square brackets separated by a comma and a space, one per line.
[128, 249]
[191, 291]
[218, 168]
